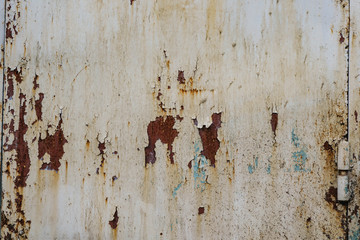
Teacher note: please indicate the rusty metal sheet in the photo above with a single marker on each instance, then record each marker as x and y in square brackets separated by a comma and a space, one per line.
[174, 119]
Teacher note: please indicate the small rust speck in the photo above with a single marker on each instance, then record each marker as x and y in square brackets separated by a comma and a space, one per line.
[181, 78]
[35, 83]
[189, 165]
[160, 129]
[327, 146]
[209, 139]
[201, 210]
[274, 122]
[113, 223]
[342, 39]
[356, 116]
[38, 106]
[54, 146]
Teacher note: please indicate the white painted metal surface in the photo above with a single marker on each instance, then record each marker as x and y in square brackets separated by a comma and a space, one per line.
[174, 119]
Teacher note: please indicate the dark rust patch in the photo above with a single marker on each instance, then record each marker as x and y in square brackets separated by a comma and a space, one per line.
[356, 116]
[181, 78]
[209, 139]
[160, 129]
[54, 146]
[12, 75]
[132, 1]
[15, 74]
[20, 145]
[201, 210]
[330, 197]
[101, 147]
[113, 223]
[274, 122]
[342, 39]
[35, 82]
[38, 106]
[327, 146]
[190, 165]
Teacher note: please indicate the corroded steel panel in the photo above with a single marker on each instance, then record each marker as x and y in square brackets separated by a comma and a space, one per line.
[174, 119]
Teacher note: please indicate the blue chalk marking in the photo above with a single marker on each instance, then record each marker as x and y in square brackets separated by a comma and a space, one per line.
[299, 157]
[268, 169]
[251, 169]
[294, 138]
[175, 190]
[355, 235]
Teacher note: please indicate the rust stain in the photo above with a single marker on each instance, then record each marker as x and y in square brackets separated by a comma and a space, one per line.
[13, 75]
[356, 116]
[113, 223]
[54, 146]
[35, 82]
[342, 39]
[209, 139]
[330, 197]
[20, 145]
[132, 1]
[201, 210]
[274, 122]
[38, 106]
[190, 164]
[160, 129]
[101, 147]
[181, 78]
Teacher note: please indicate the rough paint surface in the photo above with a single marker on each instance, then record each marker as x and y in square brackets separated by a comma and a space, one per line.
[54, 146]
[209, 138]
[160, 129]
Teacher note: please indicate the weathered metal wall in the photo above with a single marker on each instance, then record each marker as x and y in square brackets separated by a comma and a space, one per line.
[174, 119]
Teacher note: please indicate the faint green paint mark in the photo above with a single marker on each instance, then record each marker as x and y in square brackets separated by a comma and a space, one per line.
[176, 189]
[252, 167]
[355, 235]
[268, 168]
[199, 173]
[299, 157]
[294, 138]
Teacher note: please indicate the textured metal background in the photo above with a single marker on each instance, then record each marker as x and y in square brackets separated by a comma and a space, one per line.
[175, 119]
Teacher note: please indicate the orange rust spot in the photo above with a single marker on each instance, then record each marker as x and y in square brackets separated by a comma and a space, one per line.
[160, 129]
[87, 144]
[168, 64]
